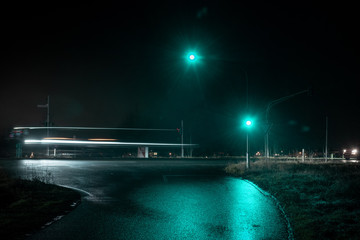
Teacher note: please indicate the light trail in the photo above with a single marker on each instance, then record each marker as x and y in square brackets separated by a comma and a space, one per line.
[96, 128]
[79, 142]
[102, 139]
[57, 138]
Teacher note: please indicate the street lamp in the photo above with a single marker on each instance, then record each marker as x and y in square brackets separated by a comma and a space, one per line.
[248, 125]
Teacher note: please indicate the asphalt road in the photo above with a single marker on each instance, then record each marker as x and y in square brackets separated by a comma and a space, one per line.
[161, 199]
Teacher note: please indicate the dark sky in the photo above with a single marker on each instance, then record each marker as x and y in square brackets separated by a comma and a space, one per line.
[112, 64]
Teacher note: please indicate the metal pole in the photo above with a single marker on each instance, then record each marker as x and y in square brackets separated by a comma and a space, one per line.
[191, 148]
[182, 138]
[267, 143]
[247, 110]
[247, 150]
[303, 155]
[48, 123]
[326, 139]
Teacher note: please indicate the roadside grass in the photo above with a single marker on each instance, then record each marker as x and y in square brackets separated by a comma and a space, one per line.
[322, 200]
[27, 205]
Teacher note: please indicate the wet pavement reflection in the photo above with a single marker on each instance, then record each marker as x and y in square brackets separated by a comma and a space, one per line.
[157, 200]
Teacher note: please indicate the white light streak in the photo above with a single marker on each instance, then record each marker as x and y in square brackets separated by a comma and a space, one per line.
[96, 128]
[80, 142]
[102, 139]
[57, 138]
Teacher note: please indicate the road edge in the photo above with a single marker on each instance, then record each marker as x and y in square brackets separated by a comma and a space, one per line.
[278, 205]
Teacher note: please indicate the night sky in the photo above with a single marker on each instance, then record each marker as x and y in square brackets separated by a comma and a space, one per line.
[118, 65]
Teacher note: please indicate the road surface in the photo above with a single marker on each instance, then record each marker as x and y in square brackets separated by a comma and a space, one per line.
[164, 199]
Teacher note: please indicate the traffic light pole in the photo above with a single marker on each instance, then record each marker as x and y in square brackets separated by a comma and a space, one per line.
[48, 123]
[247, 151]
[182, 138]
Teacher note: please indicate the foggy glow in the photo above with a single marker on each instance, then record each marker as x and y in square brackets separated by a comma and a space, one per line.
[354, 151]
[248, 123]
[81, 142]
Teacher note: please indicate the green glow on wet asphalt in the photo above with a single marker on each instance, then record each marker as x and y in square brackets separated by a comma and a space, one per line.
[224, 209]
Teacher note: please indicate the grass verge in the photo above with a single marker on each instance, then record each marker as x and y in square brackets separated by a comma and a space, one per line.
[26, 206]
[322, 200]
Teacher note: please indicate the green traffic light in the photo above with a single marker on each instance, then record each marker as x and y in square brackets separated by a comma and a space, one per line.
[192, 57]
[248, 123]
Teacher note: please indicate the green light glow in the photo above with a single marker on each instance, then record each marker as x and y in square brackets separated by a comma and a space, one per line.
[192, 57]
[247, 122]
[225, 208]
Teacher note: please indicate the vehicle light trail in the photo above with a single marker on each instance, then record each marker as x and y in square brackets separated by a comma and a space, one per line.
[80, 142]
[96, 128]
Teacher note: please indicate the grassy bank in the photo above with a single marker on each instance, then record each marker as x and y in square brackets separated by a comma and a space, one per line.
[322, 200]
[26, 206]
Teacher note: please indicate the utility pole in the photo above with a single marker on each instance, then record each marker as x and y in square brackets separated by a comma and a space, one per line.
[47, 106]
[182, 138]
[48, 123]
[326, 139]
[247, 151]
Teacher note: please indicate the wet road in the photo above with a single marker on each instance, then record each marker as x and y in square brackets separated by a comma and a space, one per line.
[164, 199]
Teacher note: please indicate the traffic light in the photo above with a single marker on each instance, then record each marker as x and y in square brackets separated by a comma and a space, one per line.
[192, 57]
[248, 123]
